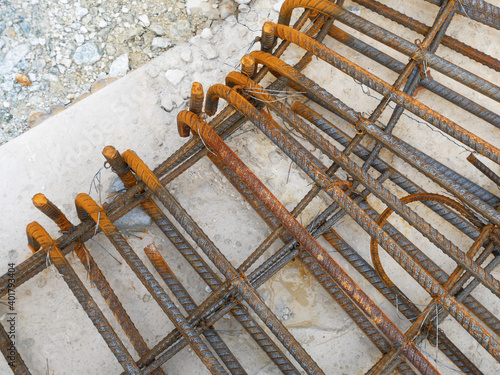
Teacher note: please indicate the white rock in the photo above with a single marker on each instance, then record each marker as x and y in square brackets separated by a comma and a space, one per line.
[80, 12]
[88, 53]
[166, 103]
[224, 13]
[110, 49]
[158, 29]
[186, 55]
[13, 57]
[38, 65]
[243, 8]
[144, 20]
[102, 24]
[209, 51]
[50, 77]
[66, 62]
[120, 66]
[174, 76]
[243, 1]
[7, 85]
[125, 10]
[206, 34]
[160, 42]
[79, 38]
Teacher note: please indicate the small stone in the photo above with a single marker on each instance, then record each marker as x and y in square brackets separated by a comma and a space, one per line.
[157, 29]
[243, 8]
[5, 115]
[206, 34]
[88, 53]
[66, 62]
[79, 38]
[8, 85]
[38, 65]
[225, 12]
[23, 79]
[25, 27]
[102, 24]
[125, 10]
[14, 57]
[120, 66]
[144, 20]
[110, 49]
[167, 104]
[209, 51]
[160, 43]
[243, 1]
[186, 55]
[80, 12]
[174, 76]
[130, 33]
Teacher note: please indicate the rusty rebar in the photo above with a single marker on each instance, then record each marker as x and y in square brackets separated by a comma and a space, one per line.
[306, 240]
[429, 283]
[95, 273]
[394, 41]
[220, 261]
[86, 204]
[376, 188]
[189, 305]
[9, 350]
[484, 169]
[225, 123]
[212, 280]
[423, 29]
[450, 292]
[41, 241]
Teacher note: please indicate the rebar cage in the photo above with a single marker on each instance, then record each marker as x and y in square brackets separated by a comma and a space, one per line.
[415, 142]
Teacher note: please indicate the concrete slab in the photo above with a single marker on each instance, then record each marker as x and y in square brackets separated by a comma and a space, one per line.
[60, 158]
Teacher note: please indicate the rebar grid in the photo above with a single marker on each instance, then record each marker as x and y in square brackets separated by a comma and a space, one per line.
[311, 115]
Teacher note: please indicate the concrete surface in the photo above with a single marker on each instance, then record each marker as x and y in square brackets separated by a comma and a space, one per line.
[60, 157]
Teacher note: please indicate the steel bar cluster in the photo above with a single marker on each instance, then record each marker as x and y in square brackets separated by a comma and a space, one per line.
[355, 144]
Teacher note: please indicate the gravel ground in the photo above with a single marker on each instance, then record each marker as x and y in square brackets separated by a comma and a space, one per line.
[54, 52]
